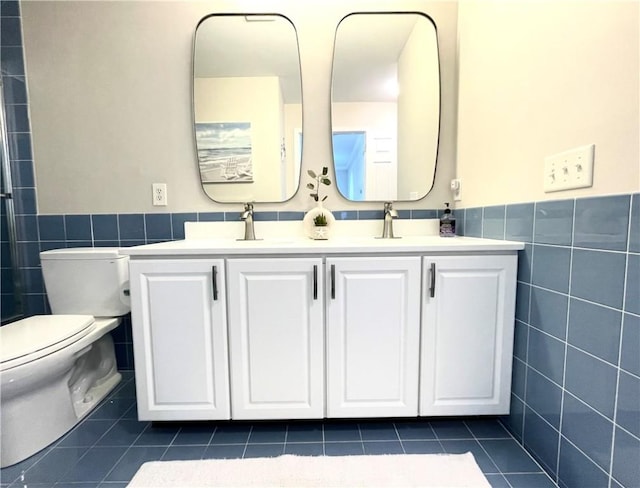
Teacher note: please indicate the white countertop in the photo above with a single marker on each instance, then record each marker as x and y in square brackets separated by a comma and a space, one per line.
[334, 245]
[347, 237]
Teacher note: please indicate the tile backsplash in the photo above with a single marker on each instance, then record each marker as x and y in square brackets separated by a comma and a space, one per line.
[576, 369]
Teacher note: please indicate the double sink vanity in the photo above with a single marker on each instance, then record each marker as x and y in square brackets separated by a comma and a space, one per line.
[286, 327]
[280, 326]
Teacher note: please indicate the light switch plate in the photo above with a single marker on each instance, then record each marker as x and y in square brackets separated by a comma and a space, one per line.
[570, 169]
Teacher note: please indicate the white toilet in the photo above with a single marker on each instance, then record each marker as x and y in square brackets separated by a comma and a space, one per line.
[56, 368]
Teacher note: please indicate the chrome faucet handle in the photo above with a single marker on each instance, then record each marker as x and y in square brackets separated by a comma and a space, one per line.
[388, 210]
[248, 207]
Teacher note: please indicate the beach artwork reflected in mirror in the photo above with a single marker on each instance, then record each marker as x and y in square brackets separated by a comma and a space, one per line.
[224, 152]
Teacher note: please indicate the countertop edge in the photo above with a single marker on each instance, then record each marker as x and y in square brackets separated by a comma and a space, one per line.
[418, 245]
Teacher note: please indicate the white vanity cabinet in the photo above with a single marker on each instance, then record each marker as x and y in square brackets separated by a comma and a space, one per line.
[178, 309]
[373, 336]
[276, 337]
[302, 329]
[468, 311]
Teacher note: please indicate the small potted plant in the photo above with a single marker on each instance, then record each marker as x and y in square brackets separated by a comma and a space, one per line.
[320, 226]
[318, 219]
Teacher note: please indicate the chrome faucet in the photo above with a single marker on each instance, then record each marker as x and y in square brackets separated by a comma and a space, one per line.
[247, 216]
[389, 215]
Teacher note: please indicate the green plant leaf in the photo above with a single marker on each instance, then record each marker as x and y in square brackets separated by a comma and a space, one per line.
[325, 197]
[311, 186]
[320, 220]
[325, 171]
[311, 173]
[326, 181]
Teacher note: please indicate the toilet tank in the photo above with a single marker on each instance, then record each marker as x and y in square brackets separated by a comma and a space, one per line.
[92, 281]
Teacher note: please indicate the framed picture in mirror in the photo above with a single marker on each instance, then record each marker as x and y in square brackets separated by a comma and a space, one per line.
[224, 152]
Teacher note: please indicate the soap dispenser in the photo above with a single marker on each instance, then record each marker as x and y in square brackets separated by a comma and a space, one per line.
[447, 223]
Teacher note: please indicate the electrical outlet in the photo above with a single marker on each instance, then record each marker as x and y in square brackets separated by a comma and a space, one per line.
[570, 169]
[159, 192]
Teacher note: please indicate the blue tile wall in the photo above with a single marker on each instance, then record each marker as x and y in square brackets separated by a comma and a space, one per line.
[576, 371]
[19, 158]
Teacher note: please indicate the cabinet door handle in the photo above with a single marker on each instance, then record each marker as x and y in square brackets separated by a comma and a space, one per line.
[432, 285]
[315, 281]
[333, 281]
[214, 276]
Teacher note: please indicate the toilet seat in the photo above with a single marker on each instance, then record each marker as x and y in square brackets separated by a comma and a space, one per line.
[38, 336]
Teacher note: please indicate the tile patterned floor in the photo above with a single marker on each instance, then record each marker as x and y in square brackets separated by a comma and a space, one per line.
[108, 447]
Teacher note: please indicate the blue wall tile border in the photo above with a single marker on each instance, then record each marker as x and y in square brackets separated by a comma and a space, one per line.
[51, 227]
[553, 222]
[494, 222]
[602, 222]
[105, 227]
[143, 228]
[519, 222]
[78, 227]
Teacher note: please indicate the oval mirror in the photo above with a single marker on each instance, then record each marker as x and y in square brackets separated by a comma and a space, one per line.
[247, 106]
[385, 109]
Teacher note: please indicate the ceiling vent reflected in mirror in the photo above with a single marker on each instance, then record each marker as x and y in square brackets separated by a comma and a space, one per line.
[247, 106]
[385, 109]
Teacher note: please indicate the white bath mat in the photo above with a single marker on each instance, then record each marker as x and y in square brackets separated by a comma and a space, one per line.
[406, 470]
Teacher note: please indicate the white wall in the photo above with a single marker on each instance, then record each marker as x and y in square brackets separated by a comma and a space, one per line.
[541, 77]
[110, 98]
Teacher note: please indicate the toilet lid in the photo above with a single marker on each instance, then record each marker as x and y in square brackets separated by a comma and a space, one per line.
[33, 334]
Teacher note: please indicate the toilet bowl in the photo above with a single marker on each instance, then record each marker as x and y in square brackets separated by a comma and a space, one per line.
[55, 369]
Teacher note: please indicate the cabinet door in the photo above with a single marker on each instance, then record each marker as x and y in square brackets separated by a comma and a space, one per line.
[467, 334]
[180, 339]
[276, 338]
[373, 335]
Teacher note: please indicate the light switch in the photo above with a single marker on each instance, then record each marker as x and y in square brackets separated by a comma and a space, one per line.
[570, 169]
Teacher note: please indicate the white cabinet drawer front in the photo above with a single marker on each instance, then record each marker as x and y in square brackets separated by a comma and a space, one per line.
[467, 335]
[276, 337]
[373, 337]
